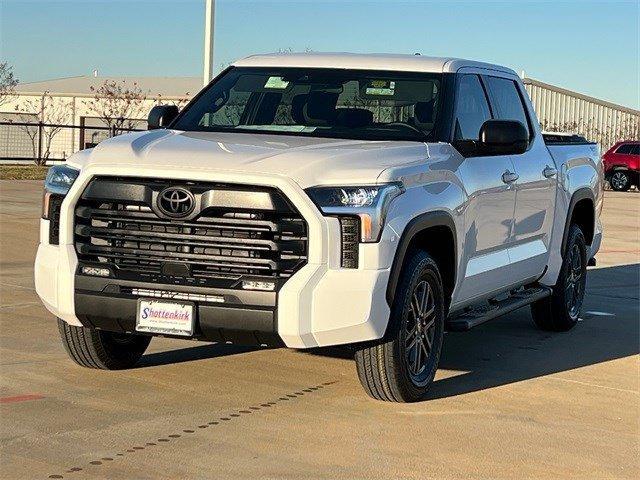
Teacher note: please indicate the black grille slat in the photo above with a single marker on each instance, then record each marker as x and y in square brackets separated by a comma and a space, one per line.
[130, 237]
[100, 250]
[177, 238]
[151, 218]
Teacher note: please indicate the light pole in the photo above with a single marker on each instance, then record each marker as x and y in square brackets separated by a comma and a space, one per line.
[209, 24]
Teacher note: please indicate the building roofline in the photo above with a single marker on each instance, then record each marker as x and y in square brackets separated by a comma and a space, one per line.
[92, 95]
[80, 85]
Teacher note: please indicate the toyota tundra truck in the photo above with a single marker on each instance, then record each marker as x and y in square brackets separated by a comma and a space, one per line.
[310, 200]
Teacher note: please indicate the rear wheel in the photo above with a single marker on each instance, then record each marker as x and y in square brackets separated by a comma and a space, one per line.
[561, 310]
[93, 348]
[401, 366]
[620, 181]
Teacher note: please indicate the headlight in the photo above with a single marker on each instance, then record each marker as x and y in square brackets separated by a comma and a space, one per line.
[60, 178]
[369, 202]
[56, 186]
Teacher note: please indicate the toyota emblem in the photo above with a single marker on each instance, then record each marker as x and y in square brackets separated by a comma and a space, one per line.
[176, 202]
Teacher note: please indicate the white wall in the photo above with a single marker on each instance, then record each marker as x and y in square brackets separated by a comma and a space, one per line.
[59, 109]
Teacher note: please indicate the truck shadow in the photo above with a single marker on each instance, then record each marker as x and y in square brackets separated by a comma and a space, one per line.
[191, 354]
[511, 349]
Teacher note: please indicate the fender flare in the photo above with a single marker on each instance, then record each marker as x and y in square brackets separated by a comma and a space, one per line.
[423, 221]
[580, 194]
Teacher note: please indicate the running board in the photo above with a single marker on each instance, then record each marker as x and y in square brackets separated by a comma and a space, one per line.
[479, 315]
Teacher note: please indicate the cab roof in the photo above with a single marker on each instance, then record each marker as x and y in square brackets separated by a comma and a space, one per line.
[367, 61]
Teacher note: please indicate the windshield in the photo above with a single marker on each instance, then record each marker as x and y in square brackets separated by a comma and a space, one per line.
[354, 104]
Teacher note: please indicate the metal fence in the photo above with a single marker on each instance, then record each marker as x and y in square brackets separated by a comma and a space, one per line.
[37, 142]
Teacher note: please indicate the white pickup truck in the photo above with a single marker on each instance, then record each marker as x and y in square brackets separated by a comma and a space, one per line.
[323, 199]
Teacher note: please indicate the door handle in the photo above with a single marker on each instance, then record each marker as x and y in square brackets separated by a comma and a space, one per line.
[509, 177]
[549, 172]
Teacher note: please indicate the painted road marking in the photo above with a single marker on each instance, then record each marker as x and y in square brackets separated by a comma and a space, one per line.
[599, 314]
[21, 398]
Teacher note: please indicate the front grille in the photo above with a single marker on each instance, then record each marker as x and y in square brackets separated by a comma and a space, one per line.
[237, 230]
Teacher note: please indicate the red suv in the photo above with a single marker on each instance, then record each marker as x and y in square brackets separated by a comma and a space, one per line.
[622, 165]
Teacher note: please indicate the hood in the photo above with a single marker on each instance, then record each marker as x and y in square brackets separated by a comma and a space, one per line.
[308, 161]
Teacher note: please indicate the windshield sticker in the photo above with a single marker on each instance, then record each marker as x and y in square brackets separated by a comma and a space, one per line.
[381, 87]
[277, 83]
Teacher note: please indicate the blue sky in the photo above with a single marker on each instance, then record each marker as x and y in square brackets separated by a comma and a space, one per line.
[590, 47]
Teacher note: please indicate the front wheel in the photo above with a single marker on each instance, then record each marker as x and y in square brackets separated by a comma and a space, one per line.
[93, 348]
[620, 181]
[560, 311]
[401, 366]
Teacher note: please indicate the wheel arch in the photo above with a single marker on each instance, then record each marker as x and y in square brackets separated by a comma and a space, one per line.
[435, 233]
[581, 212]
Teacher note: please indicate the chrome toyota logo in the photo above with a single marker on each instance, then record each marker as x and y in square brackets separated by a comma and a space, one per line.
[176, 202]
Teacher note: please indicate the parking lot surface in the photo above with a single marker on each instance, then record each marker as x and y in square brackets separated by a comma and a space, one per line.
[509, 400]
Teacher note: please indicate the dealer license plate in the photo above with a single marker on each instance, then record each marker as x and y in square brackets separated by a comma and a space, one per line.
[167, 318]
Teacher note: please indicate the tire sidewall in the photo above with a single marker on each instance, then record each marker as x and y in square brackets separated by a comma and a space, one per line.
[576, 237]
[420, 267]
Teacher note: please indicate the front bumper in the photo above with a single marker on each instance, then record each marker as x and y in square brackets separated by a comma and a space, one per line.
[320, 305]
[244, 317]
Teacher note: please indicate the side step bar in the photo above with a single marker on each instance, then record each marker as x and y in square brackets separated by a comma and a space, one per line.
[479, 315]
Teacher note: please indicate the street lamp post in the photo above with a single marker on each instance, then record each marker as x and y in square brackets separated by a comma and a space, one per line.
[209, 24]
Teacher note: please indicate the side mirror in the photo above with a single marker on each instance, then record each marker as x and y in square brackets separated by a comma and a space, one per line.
[161, 116]
[503, 137]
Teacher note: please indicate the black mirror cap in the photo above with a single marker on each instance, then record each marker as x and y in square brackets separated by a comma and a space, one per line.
[161, 116]
[504, 137]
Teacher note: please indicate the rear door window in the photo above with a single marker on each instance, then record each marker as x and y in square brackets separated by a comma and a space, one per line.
[506, 101]
[625, 149]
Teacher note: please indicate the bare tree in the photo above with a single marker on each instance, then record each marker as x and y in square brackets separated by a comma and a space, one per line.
[50, 115]
[117, 104]
[8, 82]
[179, 102]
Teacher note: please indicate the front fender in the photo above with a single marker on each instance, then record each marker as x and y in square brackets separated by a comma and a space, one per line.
[438, 218]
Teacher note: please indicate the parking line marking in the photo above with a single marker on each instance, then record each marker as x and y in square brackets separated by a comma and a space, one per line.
[21, 398]
[599, 314]
[26, 304]
[619, 251]
[587, 384]
[4, 284]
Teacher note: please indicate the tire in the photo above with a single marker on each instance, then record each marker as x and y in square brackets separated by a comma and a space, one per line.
[560, 311]
[620, 180]
[401, 366]
[93, 348]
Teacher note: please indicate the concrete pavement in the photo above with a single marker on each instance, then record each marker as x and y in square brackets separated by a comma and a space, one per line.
[509, 401]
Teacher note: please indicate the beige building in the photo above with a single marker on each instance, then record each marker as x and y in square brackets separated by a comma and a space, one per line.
[563, 110]
[72, 101]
